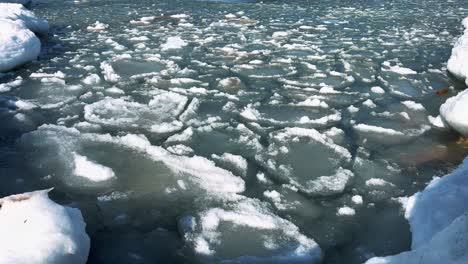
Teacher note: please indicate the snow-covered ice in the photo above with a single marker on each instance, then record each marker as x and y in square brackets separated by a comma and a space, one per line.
[438, 217]
[458, 62]
[454, 112]
[258, 235]
[37, 230]
[18, 43]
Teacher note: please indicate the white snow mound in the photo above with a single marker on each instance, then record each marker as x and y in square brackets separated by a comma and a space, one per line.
[18, 43]
[35, 229]
[454, 112]
[458, 62]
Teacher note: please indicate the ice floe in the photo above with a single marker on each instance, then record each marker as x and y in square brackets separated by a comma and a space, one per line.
[293, 156]
[258, 235]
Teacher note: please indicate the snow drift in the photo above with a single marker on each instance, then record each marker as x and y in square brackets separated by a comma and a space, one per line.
[18, 43]
[438, 217]
[458, 62]
[37, 230]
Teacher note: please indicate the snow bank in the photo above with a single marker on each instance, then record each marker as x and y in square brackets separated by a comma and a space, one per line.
[433, 209]
[439, 222]
[37, 230]
[450, 246]
[454, 112]
[17, 12]
[18, 43]
[458, 62]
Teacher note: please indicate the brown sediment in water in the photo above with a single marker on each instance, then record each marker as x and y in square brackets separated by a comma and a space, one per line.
[462, 141]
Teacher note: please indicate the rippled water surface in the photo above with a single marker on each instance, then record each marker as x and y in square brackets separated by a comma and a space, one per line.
[201, 131]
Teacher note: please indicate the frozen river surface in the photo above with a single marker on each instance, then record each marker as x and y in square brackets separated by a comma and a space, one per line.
[236, 131]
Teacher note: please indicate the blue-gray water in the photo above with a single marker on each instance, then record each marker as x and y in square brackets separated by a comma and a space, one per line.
[301, 64]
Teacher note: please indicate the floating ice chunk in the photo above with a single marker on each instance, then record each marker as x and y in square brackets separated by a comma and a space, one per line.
[90, 170]
[159, 115]
[271, 239]
[377, 90]
[197, 172]
[336, 134]
[357, 199]
[330, 185]
[449, 246]
[233, 162]
[290, 115]
[25, 105]
[37, 230]
[173, 43]
[413, 105]
[231, 84]
[97, 27]
[346, 211]
[273, 195]
[458, 62]
[363, 128]
[180, 16]
[313, 103]
[441, 202]
[397, 69]
[109, 73]
[6, 87]
[181, 150]
[352, 109]
[377, 182]
[92, 79]
[280, 34]
[302, 156]
[454, 112]
[369, 103]
[115, 91]
[230, 16]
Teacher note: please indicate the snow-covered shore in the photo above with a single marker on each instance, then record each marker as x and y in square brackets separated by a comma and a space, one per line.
[18, 41]
[35, 229]
[438, 216]
[458, 62]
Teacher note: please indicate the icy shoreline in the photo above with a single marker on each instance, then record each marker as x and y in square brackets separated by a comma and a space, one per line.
[37, 230]
[18, 41]
[438, 215]
[458, 62]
